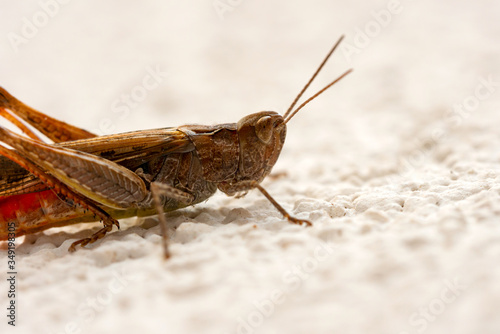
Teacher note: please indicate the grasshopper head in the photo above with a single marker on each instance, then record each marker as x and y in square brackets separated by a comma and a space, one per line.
[261, 137]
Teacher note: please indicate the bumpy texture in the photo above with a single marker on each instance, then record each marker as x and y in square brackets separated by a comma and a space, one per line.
[397, 166]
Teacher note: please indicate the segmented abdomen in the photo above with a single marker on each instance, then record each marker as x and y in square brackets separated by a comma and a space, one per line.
[39, 211]
[33, 212]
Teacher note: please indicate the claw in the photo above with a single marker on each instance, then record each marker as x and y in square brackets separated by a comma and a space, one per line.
[298, 221]
[108, 226]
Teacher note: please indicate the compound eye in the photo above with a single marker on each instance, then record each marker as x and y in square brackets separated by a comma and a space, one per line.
[264, 129]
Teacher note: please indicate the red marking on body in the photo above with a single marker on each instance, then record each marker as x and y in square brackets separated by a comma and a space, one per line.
[11, 206]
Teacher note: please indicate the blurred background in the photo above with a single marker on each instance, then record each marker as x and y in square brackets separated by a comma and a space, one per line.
[89, 62]
[422, 103]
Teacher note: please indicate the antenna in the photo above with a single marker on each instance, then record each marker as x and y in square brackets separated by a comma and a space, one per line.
[311, 80]
[317, 94]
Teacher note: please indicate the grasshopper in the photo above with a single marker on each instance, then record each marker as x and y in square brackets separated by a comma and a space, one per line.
[81, 177]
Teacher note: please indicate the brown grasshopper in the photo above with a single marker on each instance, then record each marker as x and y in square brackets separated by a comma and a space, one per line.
[82, 177]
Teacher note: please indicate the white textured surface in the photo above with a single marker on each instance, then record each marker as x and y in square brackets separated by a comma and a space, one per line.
[403, 190]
